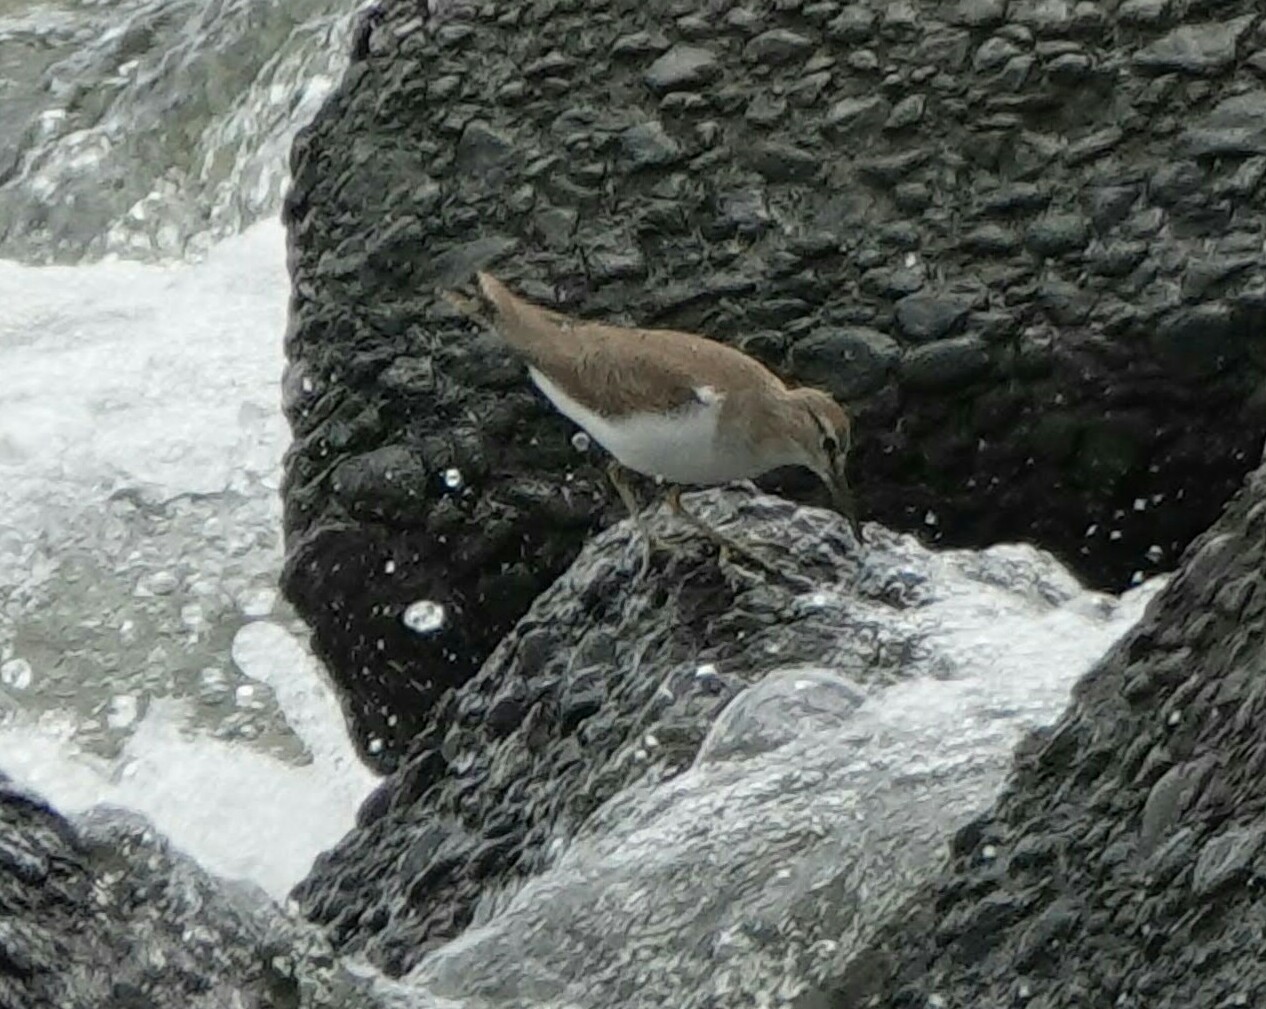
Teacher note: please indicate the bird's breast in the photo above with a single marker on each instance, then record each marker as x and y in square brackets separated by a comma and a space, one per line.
[681, 447]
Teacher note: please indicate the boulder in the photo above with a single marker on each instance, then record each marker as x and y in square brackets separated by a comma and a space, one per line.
[735, 177]
[1124, 863]
[100, 910]
[668, 778]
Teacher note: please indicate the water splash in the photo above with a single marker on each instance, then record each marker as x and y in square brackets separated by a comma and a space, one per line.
[242, 813]
[150, 128]
[424, 617]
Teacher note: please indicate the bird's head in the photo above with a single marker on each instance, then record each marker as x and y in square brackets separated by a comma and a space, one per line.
[823, 432]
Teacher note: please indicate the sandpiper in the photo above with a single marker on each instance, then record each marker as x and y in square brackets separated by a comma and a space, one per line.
[671, 405]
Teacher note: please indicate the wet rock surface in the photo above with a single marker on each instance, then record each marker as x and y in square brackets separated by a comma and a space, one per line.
[1124, 863]
[101, 911]
[1073, 198]
[680, 751]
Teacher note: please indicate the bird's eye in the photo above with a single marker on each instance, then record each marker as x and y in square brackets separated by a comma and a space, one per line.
[831, 445]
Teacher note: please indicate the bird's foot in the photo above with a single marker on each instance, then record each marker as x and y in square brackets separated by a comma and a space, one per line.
[730, 549]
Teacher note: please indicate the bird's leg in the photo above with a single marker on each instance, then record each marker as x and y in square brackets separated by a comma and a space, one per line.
[619, 480]
[618, 476]
[726, 544]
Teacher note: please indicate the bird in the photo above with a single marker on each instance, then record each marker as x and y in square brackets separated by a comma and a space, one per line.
[678, 407]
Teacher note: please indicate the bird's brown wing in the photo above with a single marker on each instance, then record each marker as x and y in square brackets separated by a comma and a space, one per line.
[615, 369]
[633, 370]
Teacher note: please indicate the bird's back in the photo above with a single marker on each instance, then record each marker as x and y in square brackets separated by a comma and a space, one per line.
[620, 370]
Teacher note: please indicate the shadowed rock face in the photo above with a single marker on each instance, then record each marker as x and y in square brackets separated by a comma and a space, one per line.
[1124, 863]
[1024, 241]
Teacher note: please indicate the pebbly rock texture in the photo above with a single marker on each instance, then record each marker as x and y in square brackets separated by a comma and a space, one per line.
[1126, 862]
[1024, 241]
[100, 911]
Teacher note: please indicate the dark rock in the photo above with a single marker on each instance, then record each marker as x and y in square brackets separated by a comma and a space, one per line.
[105, 912]
[648, 145]
[994, 54]
[556, 225]
[947, 49]
[682, 67]
[765, 110]
[1069, 69]
[850, 361]
[776, 46]
[864, 61]
[856, 23]
[1109, 205]
[1205, 276]
[1143, 12]
[890, 170]
[1226, 858]
[1015, 73]
[900, 21]
[561, 183]
[388, 482]
[1146, 861]
[1235, 127]
[1203, 339]
[1044, 17]
[1244, 181]
[1109, 388]
[1041, 941]
[641, 43]
[1096, 144]
[1196, 49]
[810, 89]
[990, 240]
[946, 364]
[1058, 234]
[912, 196]
[980, 13]
[1168, 801]
[893, 284]
[483, 148]
[744, 20]
[858, 115]
[906, 113]
[1065, 304]
[618, 696]
[1109, 450]
[1019, 198]
[1115, 259]
[616, 264]
[1174, 182]
[743, 212]
[551, 64]
[782, 162]
[926, 317]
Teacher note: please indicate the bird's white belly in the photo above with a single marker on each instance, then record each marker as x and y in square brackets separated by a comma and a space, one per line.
[680, 447]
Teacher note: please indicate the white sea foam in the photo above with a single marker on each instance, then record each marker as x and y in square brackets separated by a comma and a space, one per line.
[140, 451]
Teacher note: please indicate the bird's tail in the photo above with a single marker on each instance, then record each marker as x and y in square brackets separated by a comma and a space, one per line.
[530, 329]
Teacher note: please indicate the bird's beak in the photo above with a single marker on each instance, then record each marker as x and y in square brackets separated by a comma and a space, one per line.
[842, 495]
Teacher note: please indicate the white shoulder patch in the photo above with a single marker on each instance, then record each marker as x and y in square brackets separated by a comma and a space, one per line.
[708, 395]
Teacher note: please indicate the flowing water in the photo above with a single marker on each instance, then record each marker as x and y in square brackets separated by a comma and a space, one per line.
[145, 656]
